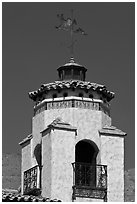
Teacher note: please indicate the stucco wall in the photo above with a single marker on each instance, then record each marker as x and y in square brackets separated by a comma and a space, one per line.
[112, 155]
[106, 120]
[87, 122]
[46, 163]
[63, 155]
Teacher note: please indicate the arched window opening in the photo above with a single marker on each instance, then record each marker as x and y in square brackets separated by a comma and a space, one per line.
[85, 163]
[59, 90]
[86, 152]
[86, 90]
[80, 94]
[90, 95]
[101, 98]
[54, 95]
[65, 94]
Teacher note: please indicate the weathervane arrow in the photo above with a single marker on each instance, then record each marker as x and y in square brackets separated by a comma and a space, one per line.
[68, 25]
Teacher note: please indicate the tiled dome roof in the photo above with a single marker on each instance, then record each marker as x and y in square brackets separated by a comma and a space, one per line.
[71, 63]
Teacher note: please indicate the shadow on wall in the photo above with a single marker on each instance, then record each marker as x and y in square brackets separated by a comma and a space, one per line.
[37, 154]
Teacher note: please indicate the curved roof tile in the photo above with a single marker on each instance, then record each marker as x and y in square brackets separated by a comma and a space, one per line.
[13, 197]
[71, 84]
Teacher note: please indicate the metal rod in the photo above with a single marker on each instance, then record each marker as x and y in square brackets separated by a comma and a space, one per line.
[71, 35]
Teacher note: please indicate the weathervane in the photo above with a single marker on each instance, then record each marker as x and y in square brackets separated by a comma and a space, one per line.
[68, 25]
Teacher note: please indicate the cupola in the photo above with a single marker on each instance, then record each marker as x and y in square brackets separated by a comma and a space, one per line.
[72, 70]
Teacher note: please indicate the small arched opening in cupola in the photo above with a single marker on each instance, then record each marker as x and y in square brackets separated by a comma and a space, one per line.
[81, 95]
[54, 95]
[65, 94]
[91, 96]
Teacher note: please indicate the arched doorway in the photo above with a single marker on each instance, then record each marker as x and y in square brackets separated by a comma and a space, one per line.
[85, 163]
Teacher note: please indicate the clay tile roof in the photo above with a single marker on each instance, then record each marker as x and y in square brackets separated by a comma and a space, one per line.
[71, 84]
[111, 130]
[15, 197]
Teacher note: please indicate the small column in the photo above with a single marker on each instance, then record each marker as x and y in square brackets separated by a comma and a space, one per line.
[72, 73]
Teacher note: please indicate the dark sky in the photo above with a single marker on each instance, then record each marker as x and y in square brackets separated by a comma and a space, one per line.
[33, 49]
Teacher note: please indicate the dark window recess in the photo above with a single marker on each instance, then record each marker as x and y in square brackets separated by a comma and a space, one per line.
[59, 90]
[65, 94]
[68, 72]
[101, 98]
[76, 72]
[90, 95]
[54, 95]
[80, 94]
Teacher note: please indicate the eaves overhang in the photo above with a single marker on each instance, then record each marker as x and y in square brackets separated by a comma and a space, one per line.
[29, 137]
[59, 124]
[68, 84]
[112, 131]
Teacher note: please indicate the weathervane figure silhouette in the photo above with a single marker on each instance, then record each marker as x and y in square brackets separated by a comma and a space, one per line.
[68, 25]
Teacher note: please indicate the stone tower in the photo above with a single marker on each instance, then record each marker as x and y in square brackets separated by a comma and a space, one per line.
[73, 153]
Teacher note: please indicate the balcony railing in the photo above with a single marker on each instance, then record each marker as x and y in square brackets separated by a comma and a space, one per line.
[89, 180]
[32, 181]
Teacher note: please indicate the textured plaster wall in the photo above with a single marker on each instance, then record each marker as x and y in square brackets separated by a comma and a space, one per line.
[79, 199]
[106, 120]
[26, 160]
[63, 155]
[55, 146]
[112, 155]
[87, 122]
[46, 163]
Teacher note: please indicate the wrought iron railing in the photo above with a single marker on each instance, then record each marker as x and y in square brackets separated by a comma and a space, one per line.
[32, 181]
[89, 180]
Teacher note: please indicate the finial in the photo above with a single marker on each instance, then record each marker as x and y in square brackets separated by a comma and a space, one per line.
[72, 60]
[68, 25]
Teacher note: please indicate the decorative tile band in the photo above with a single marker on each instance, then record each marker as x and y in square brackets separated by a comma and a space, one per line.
[73, 103]
[59, 104]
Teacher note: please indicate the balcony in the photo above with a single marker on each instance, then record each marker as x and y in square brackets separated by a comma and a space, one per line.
[32, 181]
[89, 181]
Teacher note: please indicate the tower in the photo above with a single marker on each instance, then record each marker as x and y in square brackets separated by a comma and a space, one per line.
[74, 153]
